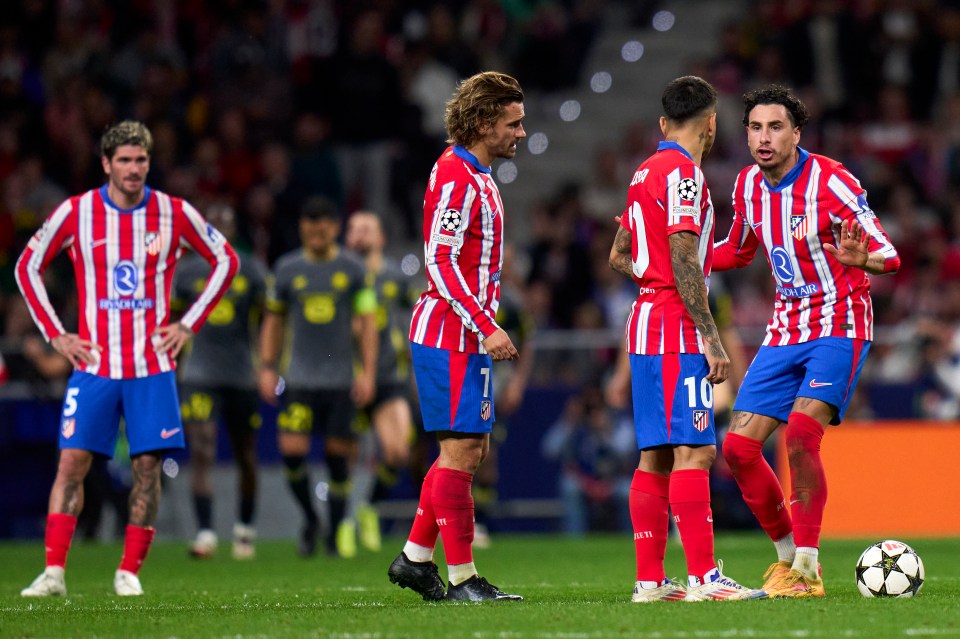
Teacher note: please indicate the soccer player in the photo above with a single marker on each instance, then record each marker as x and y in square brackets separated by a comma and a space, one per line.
[217, 380]
[665, 244]
[389, 412]
[124, 239]
[320, 291]
[812, 219]
[454, 336]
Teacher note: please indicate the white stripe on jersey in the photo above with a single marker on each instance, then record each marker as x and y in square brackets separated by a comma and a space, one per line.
[643, 325]
[165, 229]
[138, 221]
[114, 337]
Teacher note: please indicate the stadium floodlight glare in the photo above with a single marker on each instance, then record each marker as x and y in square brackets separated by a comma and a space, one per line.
[507, 172]
[632, 50]
[569, 110]
[663, 20]
[538, 143]
[601, 82]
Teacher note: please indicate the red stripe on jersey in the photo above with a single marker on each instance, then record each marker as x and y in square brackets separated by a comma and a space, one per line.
[458, 372]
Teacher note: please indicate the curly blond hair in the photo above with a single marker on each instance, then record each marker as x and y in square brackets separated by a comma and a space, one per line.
[126, 133]
[478, 102]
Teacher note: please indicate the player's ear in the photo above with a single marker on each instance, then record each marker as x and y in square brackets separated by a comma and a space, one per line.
[663, 125]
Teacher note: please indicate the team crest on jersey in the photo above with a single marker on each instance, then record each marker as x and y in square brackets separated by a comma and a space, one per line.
[153, 242]
[688, 189]
[485, 409]
[798, 226]
[701, 419]
[450, 220]
[68, 427]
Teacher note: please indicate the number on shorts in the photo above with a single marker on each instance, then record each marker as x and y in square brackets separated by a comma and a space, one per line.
[70, 402]
[486, 381]
[706, 392]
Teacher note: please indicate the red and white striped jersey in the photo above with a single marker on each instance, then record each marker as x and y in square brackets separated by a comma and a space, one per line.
[123, 261]
[668, 194]
[817, 296]
[463, 247]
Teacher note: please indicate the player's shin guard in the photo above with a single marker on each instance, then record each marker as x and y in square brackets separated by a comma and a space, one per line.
[807, 477]
[136, 544]
[453, 506]
[758, 483]
[424, 530]
[299, 481]
[57, 538]
[690, 503]
[651, 523]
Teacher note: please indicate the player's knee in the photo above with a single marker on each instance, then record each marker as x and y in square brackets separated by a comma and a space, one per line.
[740, 452]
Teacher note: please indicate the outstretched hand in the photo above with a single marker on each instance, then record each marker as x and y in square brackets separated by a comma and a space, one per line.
[851, 248]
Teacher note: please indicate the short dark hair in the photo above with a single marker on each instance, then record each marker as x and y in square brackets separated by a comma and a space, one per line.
[126, 133]
[688, 97]
[478, 102]
[319, 207]
[776, 94]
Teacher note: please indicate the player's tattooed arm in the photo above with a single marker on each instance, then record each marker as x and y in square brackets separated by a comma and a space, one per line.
[145, 493]
[621, 258]
[688, 275]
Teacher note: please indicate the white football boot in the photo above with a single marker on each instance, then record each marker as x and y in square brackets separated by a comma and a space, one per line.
[127, 584]
[50, 583]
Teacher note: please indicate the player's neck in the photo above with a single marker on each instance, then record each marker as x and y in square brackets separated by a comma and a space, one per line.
[374, 262]
[124, 200]
[775, 174]
[690, 141]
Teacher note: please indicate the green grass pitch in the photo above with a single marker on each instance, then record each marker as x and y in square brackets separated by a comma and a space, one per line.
[574, 589]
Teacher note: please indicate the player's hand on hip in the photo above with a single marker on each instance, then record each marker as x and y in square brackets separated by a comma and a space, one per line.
[78, 351]
[499, 346]
[718, 361]
[171, 338]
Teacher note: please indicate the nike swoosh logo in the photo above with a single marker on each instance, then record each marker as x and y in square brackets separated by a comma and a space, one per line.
[815, 384]
[167, 434]
[96, 243]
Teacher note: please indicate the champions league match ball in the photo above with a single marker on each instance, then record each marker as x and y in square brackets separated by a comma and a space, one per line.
[889, 569]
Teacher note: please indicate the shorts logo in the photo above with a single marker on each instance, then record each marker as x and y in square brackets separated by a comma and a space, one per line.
[485, 407]
[701, 419]
[167, 434]
[68, 428]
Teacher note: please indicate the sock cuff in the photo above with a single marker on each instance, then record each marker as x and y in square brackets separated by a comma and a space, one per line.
[62, 519]
[803, 424]
[453, 475]
[651, 483]
[141, 533]
[739, 442]
[689, 485]
[451, 489]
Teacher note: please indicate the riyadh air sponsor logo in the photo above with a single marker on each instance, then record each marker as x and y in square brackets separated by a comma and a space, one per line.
[782, 265]
[794, 292]
[167, 434]
[127, 304]
[125, 278]
[68, 428]
[815, 384]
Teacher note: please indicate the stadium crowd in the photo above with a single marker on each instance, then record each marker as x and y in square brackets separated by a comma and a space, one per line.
[263, 104]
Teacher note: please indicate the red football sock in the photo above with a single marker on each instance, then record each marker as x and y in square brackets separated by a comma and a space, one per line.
[136, 545]
[690, 503]
[453, 505]
[758, 483]
[651, 523]
[424, 530]
[808, 496]
[58, 536]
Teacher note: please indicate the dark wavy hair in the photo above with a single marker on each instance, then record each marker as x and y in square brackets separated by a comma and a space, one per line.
[688, 97]
[776, 94]
[126, 133]
[478, 102]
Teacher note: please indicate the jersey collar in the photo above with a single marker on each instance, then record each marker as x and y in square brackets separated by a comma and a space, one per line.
[106, 198]
[463, 154]
[664, 146]
[791, 175]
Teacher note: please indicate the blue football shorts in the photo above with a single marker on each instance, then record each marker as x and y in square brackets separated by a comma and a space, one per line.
[826, 369]
[455, 389]
[93, 406]
[672, 400]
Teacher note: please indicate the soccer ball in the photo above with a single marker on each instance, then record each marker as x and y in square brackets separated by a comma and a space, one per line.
[889, 569]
